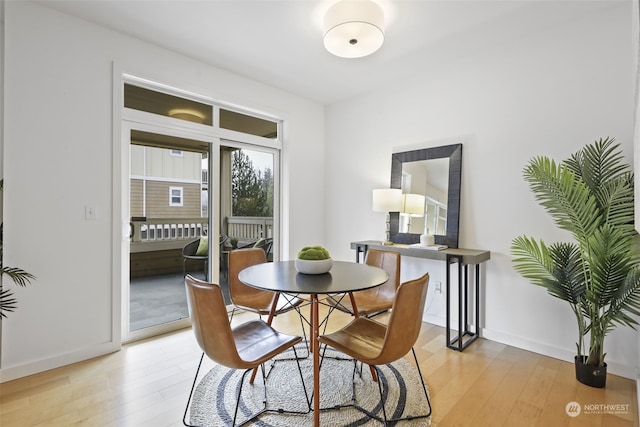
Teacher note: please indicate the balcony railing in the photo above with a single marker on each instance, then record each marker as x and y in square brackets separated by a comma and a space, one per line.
[154, 234]
[149, 234]
[250, 227]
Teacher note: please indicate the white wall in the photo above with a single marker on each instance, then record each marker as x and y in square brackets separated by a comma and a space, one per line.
[58, 156]
[508, 98]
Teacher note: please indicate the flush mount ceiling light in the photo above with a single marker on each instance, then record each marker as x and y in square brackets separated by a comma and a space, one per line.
[187, 114]
[353, 28]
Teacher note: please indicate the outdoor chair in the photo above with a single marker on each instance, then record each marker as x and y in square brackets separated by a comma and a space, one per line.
[198, 251]
[190, 253]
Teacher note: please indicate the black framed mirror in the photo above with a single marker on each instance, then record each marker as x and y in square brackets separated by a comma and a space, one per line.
[440, 168]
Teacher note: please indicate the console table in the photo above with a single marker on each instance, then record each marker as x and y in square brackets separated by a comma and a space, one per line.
[463, 258]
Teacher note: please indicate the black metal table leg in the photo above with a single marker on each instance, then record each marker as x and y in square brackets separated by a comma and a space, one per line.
[459, 343]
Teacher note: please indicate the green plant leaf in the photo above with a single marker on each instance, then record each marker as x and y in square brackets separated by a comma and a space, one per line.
[7, 302]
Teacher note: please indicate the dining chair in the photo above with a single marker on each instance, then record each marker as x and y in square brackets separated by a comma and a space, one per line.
[256, 300]
[251, 299]
[247, 346]
[374, 344]
[371, 302]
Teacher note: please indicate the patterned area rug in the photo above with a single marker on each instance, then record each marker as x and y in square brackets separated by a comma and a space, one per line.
[215, 396]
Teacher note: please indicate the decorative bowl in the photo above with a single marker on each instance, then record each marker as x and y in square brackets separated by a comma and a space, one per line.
[316, 266]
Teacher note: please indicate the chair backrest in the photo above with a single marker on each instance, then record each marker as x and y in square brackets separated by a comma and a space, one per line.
[210, 322]
[240, 259]
[191, 248]
[264, 244]
[389, 262]
[405, 320]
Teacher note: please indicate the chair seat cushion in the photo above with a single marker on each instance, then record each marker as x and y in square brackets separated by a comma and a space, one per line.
[203, 246]
[258, 342]
[361, 339]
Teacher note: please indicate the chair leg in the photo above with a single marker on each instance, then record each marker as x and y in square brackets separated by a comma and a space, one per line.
[257, 414]
[426, 395]
[424, 387]
[193, 386]
[386, 421]
[304, 387]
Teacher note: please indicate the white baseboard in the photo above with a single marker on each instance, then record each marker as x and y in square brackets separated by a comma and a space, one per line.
[565, 354]
[568, 355]
[30, 368]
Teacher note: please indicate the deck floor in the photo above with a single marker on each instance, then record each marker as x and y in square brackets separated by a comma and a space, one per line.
[155, 300]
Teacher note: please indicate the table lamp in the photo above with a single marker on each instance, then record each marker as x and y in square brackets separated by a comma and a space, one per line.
[412, 206]
[387, 200]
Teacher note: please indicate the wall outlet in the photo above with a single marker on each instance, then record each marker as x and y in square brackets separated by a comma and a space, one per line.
[438, 286]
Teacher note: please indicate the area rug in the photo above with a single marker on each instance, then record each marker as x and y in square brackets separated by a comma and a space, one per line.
[215, 396]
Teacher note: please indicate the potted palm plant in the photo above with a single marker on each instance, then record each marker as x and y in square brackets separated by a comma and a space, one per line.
[8, 303]
[590, 195]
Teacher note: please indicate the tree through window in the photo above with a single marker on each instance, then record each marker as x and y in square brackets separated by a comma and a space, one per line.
[251, 186]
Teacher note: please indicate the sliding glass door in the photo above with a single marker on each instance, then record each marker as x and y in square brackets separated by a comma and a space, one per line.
[169, 226]
[195, 180]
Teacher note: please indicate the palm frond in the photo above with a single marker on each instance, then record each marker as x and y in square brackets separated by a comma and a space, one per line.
[626, 302]
[619, 202]
[7, 302]
[557, 268]
[598, 163]
[564, 196]
[610, 259]
[18, 275]
[532, 259]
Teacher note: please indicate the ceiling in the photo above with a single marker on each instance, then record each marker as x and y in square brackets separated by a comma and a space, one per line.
[279, 42]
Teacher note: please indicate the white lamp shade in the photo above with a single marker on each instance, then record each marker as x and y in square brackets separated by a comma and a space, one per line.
[387, 200]
[413, 204]
[353, 28]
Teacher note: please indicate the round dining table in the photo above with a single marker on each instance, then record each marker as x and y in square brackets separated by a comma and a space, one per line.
[344, 277]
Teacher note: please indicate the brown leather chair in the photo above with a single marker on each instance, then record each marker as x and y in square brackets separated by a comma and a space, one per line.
[379, 299]
[251, 299]
[374, 343]
[246, 346]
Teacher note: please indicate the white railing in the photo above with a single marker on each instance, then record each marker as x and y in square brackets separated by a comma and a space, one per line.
[250, 227]
[153, 234]
[152, 229]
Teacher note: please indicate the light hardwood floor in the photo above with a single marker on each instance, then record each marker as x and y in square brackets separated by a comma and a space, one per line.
[147, 384]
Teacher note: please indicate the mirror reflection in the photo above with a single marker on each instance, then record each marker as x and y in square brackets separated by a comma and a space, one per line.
[430, 181]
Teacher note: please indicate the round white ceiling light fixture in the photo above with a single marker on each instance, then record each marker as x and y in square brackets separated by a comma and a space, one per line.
[353, 28]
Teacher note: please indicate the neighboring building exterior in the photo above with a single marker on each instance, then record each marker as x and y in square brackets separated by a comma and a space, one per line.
[165, 183]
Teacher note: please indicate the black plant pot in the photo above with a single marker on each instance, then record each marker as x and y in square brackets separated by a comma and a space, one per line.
[593, 376]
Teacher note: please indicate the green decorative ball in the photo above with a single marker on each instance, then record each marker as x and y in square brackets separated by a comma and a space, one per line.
[313, 253]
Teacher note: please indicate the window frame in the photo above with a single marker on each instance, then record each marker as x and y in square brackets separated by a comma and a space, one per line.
[171, 202]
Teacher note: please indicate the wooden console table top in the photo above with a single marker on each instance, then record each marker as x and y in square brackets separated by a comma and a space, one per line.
[468, 256]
